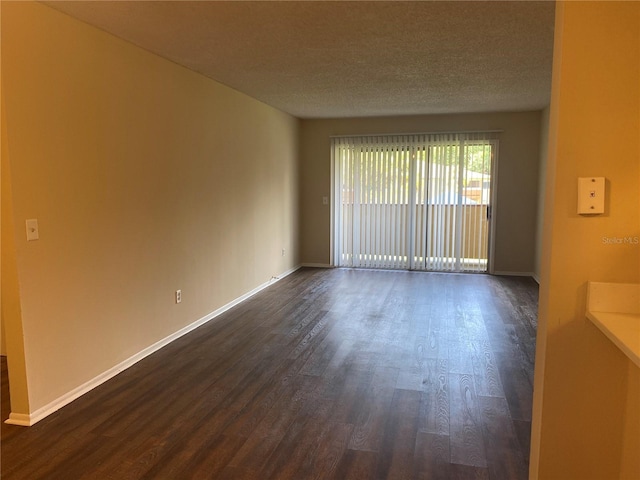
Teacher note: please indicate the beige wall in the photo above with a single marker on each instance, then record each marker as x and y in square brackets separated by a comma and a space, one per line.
[517, 178]
[10, 299]
[542, 174]
[3, 346]
[587, 392]
[145, 178]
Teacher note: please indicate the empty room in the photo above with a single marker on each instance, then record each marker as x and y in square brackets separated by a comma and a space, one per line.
[320, 240]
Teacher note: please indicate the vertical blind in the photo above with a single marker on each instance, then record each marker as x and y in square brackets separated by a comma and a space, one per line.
[419, 202]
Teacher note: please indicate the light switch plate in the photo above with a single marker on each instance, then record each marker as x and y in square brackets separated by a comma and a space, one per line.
[591, 195]
[32, 229]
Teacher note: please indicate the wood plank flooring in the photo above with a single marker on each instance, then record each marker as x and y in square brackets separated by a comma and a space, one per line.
[327, 374]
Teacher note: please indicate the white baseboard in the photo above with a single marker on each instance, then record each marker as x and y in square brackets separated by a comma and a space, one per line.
[514, 274]
[27, 420]
[536, 278]
[317, 265]
[21, 419]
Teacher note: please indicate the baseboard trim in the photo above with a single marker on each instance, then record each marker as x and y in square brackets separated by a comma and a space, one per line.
[317, 265]
[20, 419]
[514, 274]
[536, 278]
[27, 420]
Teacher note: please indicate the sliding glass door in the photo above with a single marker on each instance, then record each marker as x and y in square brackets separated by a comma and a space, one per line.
[419, 202]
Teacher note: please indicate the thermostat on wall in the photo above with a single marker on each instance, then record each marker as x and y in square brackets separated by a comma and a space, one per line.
[590, 195]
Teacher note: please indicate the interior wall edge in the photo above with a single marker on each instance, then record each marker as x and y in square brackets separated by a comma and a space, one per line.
[545, 248]
[10, 302]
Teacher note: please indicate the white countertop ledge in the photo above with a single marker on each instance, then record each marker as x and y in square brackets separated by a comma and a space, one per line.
[615, 309]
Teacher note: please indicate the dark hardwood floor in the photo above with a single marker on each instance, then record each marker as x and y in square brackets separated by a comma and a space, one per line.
[328, 374]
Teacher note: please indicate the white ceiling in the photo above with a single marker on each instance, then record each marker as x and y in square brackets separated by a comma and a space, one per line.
[318, 59]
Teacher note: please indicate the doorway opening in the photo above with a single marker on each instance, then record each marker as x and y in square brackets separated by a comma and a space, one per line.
[414, 202]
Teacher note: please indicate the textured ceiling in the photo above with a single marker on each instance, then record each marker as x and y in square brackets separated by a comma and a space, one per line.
[318, 59]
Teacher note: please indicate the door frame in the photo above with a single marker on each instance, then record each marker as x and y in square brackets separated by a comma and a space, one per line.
[335, 201]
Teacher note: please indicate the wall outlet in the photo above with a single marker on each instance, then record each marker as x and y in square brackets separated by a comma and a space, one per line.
[283, 252]
[178, 296]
